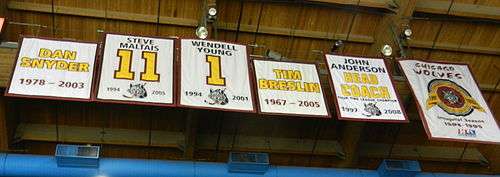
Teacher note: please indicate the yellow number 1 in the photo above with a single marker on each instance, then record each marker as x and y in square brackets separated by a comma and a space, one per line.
[125, 66]
[215, 77]
[149, 73]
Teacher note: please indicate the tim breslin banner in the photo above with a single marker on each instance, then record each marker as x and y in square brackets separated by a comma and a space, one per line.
[51, 68]
[137, 69]
[289, 88]
[215, 75]
[451, 105]
[363, 89]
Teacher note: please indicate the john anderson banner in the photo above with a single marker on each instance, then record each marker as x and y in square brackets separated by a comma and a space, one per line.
[363, 89]
[450, 103]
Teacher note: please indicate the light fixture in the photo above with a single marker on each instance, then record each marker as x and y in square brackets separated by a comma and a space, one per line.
[212, 14]
[386, 50]
[212, 11]
[202, 32]
[407, 32]
[338, 44]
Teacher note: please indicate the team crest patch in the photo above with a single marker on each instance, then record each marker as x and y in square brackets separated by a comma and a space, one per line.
[217, 96]
[451, 97]
[371, 109]
[136, 91]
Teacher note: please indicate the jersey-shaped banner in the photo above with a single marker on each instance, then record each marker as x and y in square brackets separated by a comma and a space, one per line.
[215, 75]
[53, 69]
[137, 70]
[289, 88]
[364, 90]
[450, 103]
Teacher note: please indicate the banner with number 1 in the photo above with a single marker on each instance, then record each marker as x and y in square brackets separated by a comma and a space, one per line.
[214, 75]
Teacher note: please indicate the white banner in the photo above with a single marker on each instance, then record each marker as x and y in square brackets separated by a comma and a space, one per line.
[363, 90]
[450, 103]
[2, 21]
[215, 75]
[289, 88]
[137, 69]
[51, 68]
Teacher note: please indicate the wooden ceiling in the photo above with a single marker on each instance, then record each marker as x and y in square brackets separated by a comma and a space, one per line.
[445, 30]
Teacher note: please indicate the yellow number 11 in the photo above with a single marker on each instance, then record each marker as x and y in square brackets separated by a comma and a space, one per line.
[215, 76]
[125, 66]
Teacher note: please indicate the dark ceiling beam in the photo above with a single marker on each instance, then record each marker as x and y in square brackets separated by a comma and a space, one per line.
[190, 133]
[352, 131]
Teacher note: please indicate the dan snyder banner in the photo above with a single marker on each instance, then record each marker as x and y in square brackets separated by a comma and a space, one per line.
[450, 103]
[215, 75]
[363, 89]
[137, 70]
[289, 88]
[53, 69]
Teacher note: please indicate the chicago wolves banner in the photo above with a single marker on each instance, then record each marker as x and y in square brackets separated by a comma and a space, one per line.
[363, 89]
[450, 103]
[289, 88]
[53, 69]
[137, 70]
[215, 75]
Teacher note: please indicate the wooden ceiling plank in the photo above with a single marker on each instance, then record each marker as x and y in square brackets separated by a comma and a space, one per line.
[458, 9]
[97, 135]
[379, 4]
[115, 15]
[454, 47]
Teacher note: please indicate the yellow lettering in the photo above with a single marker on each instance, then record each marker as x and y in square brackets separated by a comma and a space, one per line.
[273, 85]
[44, 53]
[263, 84]
[83, 67]
[37, 64]
[25, 62]
[344, 89]
[70, 55]
[73, 66]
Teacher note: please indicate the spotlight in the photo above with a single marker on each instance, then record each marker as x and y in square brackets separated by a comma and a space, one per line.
[338, 44]
[202, 32]
[386, 50]
[212, 14]
[212, 11]
[407, 32]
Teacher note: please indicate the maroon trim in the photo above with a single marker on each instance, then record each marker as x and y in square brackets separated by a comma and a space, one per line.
[20, 43]
[325, 102]
[337, 109]
[212, 108]
[98, 80]
[421, 113]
